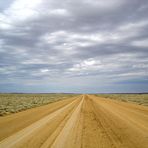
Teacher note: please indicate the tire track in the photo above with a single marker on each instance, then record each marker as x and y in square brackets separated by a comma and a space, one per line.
[19, 137]
[86, 122]
[28, 117]
[117, 124]
[62, 139]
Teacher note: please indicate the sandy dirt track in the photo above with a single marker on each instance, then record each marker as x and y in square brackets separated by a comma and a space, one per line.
[85, 121]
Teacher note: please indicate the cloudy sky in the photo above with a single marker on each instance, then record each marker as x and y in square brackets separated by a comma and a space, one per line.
[82, 46]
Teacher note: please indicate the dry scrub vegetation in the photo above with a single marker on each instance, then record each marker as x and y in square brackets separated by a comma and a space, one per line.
[12, 103]
[141, 99]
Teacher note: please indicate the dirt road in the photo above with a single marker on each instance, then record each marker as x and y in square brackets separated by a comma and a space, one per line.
[85, 121]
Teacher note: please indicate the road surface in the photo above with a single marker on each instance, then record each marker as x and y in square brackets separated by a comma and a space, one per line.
[85, 121]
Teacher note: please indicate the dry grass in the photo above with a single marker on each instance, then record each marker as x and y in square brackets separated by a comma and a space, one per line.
[141, 99]
[12, 103]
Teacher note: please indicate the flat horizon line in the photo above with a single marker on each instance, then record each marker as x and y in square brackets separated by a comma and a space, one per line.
[72, 93]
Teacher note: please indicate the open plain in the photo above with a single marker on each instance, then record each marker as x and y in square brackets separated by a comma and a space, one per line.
[84, 121]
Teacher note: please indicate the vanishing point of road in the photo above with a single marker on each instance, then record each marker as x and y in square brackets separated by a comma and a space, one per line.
[84, 121]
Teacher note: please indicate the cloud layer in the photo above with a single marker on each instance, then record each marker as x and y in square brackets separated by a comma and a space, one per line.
[74, 45]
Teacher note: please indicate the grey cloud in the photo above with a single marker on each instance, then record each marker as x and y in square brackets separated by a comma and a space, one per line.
[5, 4]
[34, 49]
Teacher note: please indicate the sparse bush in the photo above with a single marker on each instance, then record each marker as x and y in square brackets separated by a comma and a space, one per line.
[141, 99]
[12, 103]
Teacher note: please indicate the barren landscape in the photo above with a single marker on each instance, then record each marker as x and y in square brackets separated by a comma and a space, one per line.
[84, 121]
[73, 73]
[16, 102]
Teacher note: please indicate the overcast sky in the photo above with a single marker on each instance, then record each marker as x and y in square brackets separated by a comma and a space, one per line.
[82, 46]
